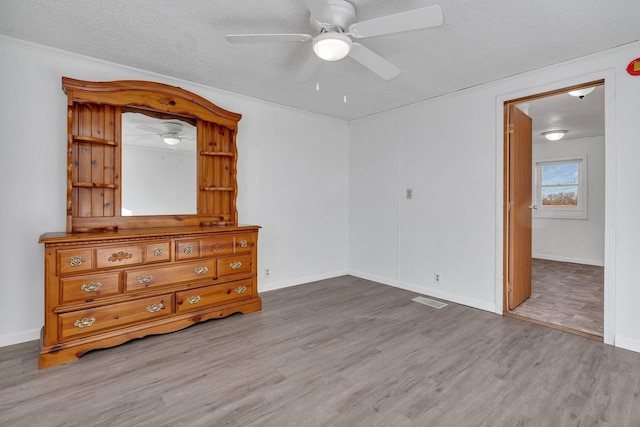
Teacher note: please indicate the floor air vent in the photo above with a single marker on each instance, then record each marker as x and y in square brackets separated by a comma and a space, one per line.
[429, 302]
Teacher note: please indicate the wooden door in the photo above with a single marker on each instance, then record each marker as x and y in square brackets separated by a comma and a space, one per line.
[519, 208]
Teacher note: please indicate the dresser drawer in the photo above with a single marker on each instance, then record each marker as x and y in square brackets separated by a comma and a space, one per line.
[215, 246]
[143, 278]
[89, 287]
[117, 256]
[187, 249]
[114, 316]
[240, 264]
[74, 260]
[244, 243]
[195, 299]
[159, 251]
[221, 245]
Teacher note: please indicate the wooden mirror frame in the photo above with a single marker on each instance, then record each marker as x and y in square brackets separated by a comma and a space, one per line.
[94, 154]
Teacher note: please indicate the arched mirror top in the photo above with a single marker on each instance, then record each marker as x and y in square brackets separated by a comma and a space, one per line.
[99, 166]
[151, 95]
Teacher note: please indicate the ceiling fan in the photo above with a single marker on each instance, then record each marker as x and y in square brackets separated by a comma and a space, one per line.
[335, 22]
[172, 134]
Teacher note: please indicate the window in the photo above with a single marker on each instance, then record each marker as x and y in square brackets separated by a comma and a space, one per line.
[560, 188]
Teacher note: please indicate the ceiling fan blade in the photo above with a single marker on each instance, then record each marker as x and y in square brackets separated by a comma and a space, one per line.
[139, 135]
[374, 62]
[268, 38]
[308, 68]
[320, 11]
[151, 129]
[416, 19]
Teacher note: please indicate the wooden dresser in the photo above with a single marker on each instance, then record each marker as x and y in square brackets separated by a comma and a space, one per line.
[178, 256]
[104, 289]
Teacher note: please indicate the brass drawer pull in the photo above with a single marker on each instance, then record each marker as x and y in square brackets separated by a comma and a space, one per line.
[188, 249]
[241, 290]
[91, 286]
[200, 270]
[75, 261]
[243, 243]
[193, 299]
[235, 265]
[143, 280]
[158, 251]
[85, 322]
[154, 308]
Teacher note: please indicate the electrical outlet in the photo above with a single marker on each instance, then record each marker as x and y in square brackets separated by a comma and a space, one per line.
[266, 272]
[436, 278]
[409, 193]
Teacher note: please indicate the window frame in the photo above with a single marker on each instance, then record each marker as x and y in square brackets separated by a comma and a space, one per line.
[561, 212]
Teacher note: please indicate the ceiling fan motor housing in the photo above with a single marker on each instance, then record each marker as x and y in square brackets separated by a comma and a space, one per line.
[173, 127]
[344, 14]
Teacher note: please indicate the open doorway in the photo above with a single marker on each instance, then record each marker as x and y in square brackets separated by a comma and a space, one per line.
[555, 209]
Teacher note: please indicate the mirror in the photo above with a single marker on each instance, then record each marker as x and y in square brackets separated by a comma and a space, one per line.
[159, 164]
[117, 138]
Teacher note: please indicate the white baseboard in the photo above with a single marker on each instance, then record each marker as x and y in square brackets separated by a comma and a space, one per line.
[599, 263]
[264, 285]
[627, 344]
[19, 337]
[425, 290]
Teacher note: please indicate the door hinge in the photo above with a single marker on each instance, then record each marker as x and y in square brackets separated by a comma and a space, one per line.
[510, 128]
[509, 205]
[509, 287]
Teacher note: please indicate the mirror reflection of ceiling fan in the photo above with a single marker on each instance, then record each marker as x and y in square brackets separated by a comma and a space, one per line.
[335, 23]
[171, 134]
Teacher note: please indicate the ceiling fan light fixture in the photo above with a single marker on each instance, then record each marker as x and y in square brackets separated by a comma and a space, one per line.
[554, 135]
[171, 139]
[581, 93]
[332, 46]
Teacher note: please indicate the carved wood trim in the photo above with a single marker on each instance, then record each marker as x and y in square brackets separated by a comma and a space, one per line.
[152, 95]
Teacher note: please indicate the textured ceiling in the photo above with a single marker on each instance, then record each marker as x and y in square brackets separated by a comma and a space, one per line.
[480, 42]
[581, 118]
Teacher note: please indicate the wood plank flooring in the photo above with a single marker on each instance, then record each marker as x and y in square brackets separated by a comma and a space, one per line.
[566, 294]
[340, 352]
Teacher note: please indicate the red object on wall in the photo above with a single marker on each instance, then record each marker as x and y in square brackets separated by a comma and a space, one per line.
[634, 67]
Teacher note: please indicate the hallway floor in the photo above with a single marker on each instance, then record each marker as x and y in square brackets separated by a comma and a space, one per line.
[566, 294]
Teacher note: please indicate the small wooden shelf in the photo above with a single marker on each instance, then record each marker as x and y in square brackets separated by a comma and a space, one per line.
[93, 185]
[94, 140]
[217, 153]
[217, 189]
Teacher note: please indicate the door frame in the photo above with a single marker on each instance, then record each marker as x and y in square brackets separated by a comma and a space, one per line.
[606, 78]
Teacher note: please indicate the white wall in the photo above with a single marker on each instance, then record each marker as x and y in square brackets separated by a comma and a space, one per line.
[373, 201]
[405, 242]
[574, 240]
[449, 150]
[292, 177]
